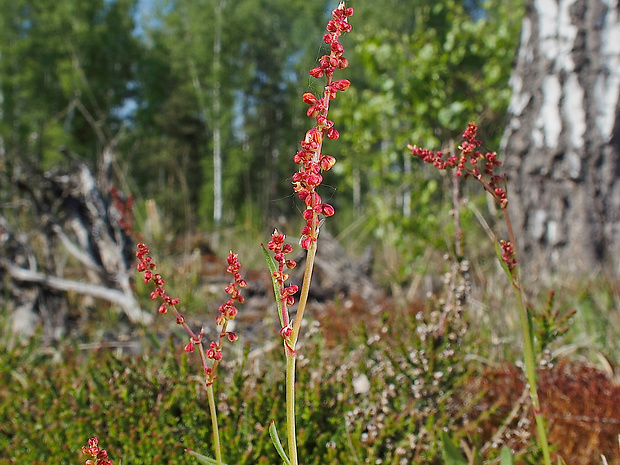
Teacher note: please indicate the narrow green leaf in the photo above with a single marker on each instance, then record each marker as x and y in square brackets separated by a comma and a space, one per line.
[562, 462]
[530, 324]
[506, 457]
[276, 287]
[449, 452]
[202, 458]
[273, 432]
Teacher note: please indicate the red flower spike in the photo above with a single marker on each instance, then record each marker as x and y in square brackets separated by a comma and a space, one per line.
[466, 163]
[312, 161]
[227, 311]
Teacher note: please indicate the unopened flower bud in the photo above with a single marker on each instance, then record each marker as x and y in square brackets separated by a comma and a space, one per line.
[332, 133]
[309, 98]
[317, 72]
[327, 162]
[328, 210]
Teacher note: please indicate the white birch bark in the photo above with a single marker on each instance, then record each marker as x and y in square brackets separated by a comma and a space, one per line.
[562, 143]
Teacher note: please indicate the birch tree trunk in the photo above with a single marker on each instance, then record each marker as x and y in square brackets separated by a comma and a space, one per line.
[562, 142]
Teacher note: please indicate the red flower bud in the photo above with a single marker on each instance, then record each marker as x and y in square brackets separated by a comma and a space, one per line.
[327, 161]
[317, 72]
[306, 242]
[328, 210]
[309, 98]
[286, 332]
[342, 84]
[332, 133]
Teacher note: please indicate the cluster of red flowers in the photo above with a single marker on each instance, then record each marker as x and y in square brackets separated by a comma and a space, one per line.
[146, 266]
[280, 249]
[100, 456]
[508, 255]
[468, 163]
[227, 311]
[312, 161]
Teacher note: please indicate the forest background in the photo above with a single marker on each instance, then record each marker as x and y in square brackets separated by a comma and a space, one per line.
[199, 103]
[192, 109]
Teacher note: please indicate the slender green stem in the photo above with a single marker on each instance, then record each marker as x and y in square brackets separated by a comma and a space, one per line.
[530, 373]
[216, 432]
[291, 356]
[303, 297]
[290, 407]
[528, 349]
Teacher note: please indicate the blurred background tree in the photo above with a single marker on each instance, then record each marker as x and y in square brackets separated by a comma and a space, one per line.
[67, 75]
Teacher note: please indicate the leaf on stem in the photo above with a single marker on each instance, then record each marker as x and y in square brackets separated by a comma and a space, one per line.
[506, 457]
[276, 286]
[273, 432]
[202, 458]
[449, 452]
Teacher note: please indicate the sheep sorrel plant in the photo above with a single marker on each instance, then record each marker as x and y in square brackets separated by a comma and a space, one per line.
[471, 162]
[213, 355]
[306, 180]
[312, 162]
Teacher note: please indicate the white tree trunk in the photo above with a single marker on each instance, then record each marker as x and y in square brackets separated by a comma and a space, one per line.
[562, 145]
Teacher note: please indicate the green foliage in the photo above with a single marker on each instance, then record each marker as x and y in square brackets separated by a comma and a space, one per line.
[75, 78]
[148, 409]
[506, 457]
[66, 70]
[420, 72]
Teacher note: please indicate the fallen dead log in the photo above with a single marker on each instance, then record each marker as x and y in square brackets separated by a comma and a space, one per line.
[125, 300]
